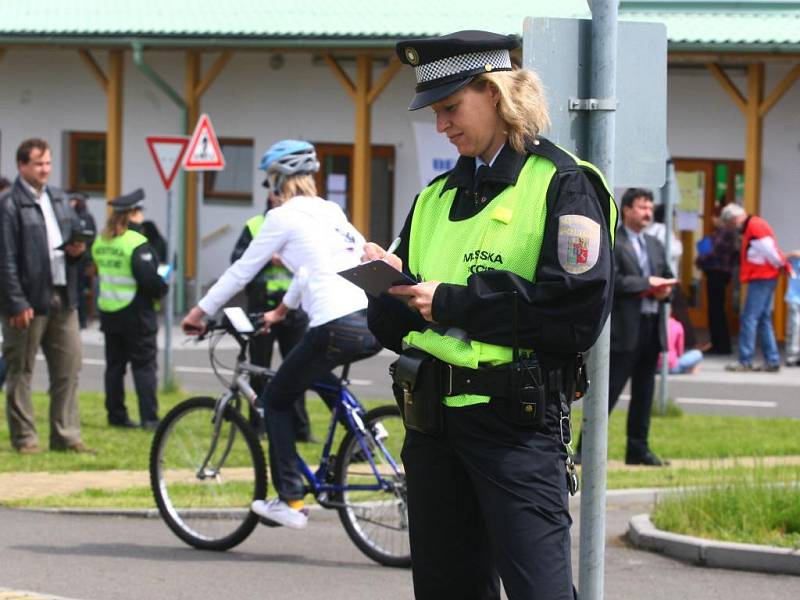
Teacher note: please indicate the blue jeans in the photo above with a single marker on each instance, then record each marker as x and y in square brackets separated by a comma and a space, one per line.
[343, 340]
[793, 331]
[757, 318]
[687, 361]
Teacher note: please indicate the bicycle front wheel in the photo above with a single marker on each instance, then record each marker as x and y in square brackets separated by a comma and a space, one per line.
[204, 495]
[375, 519]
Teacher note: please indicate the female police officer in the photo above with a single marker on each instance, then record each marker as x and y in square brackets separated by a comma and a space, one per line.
[127, 267]
[512, 252]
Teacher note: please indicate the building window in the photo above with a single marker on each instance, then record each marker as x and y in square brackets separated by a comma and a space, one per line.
[235, 182]
[87, 161]
[334, 183]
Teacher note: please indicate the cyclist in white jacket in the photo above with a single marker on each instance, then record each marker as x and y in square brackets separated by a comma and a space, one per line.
[314, 240]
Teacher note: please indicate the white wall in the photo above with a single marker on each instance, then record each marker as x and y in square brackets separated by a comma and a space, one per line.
[47, 93]
[704, 122]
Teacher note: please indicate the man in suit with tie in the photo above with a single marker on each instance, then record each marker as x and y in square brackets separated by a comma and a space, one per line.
[643, 281]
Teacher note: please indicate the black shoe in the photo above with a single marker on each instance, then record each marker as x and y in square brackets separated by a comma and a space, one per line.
[307, 439]
[793, 362]
[126, 424]
[150, 425]
[768, 368]
[648, 459]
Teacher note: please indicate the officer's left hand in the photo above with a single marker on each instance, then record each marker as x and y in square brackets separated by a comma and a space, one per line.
[75, 249]
[419, 297]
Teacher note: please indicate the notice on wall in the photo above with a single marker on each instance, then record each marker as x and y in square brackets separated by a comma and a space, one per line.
[686, 220]
[435, 154]
[336, 187]
[692, 191]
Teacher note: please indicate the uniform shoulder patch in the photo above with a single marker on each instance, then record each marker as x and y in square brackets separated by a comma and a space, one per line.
[146, 256]
[578, 243]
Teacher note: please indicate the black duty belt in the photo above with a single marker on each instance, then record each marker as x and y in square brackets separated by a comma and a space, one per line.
[480, 382]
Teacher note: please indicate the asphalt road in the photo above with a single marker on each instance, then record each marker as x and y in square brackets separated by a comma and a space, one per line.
[123, 558]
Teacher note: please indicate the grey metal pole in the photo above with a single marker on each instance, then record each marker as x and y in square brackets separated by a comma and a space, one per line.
[663, 382]
[603, 85]
[170, 308]
[198, 232]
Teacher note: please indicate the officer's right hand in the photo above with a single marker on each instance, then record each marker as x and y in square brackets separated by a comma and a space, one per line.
[373, 251]
[22, 320]
[193, 323]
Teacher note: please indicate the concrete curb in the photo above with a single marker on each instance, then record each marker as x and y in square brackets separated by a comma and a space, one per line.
[711, 553]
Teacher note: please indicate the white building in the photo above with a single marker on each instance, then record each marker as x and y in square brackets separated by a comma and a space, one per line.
[95, 78]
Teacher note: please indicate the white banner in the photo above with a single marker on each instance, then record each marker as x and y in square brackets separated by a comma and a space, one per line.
[435, 154]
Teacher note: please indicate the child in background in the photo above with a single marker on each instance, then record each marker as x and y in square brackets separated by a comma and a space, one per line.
[678, 360]
[793, 307]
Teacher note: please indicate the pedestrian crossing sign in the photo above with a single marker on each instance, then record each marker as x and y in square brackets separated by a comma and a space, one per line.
[204, 153]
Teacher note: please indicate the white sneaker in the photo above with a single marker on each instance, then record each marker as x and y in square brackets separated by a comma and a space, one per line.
[278, 512]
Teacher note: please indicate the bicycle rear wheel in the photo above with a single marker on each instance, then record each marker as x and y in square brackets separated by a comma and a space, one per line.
[208, 508]
[376, 520]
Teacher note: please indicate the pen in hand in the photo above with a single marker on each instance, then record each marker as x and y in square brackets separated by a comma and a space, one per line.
[393, 246]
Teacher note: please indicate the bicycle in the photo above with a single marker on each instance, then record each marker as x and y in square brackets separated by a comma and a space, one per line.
[207, 464]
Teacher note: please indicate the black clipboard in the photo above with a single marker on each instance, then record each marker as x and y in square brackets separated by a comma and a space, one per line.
[376, 276]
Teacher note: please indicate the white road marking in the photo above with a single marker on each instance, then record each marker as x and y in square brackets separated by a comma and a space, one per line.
[717, 402]
[99, 362]
[723, 402]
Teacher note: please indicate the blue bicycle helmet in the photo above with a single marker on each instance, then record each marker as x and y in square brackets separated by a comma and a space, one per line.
[286, 158]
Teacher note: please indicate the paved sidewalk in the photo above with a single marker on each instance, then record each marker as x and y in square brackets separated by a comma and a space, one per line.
[19, 485]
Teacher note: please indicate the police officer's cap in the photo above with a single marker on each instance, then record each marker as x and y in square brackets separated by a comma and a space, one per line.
[128, 202]
[443, 65]
[76, 194]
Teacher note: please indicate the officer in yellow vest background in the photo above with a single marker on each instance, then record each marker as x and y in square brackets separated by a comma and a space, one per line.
[129, 286]
[264, 293]
[512, 252]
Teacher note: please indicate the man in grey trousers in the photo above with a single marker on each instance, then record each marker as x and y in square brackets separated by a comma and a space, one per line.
[38, 297]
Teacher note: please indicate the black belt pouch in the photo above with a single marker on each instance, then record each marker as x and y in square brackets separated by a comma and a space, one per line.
[418, 390]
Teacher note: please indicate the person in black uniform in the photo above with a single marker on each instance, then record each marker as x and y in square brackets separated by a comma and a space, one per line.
[512, 249]
[265, 293]
[130, 285]
[77, 200]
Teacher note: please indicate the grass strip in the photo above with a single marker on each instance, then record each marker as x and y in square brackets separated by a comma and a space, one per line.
[755, 506]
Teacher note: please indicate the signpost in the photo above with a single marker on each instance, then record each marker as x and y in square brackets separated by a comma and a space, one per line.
[606, 84]
[167, 152]
[203, 154]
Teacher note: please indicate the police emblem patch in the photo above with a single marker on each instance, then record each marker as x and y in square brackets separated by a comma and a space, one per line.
[578, 243]
[412, 56]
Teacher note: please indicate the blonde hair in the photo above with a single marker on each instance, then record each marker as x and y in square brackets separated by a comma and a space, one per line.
[116, 225]
[522, 105]
[301, 184]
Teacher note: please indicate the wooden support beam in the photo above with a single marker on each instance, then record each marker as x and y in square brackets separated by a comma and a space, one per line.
[347, 84]
[213, 72]
[191, 81]
[753, 140]
[779, 90]
[362, 155]
[728, 86]
[386, 77]
[94, 68]
[114, 93]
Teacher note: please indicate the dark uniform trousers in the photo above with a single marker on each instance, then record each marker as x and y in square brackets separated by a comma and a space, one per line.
[487, 498]
[640, 367]
[138, 349]
[288, 333]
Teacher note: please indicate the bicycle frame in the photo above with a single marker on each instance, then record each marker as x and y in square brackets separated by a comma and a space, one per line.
[349, 407]
[346, 407]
